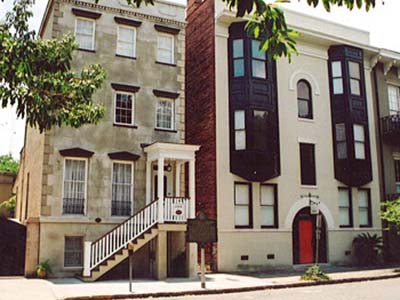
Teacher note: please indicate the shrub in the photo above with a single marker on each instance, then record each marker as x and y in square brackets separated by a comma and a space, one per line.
[315, 273]
[366, 249]
[9, 206]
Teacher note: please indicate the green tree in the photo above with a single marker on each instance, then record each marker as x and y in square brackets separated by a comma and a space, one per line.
[36, 76]
[391, 214]
[8, 164]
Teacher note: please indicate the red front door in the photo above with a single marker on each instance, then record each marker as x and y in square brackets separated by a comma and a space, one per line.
[306, 255]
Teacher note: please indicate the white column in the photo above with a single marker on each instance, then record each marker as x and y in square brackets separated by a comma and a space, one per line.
[148, 182]
[86, 258]
[178, 179]
[192, 190]
[160, 189]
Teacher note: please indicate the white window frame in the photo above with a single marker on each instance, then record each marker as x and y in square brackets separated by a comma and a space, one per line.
[368, 208]
[348, 208]
[337, 77]
[132, 183]
[239, 130]
[274, 205]
[134, 40]
[172, 47]
[93, 33]
[86, 184]
[83, 245]
[173, 113]
[133, 95]
[359, 142]
[249, 205]
[396, 160]
[391, 111]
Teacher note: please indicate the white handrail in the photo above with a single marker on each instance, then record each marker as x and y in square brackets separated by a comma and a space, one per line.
[175, 210]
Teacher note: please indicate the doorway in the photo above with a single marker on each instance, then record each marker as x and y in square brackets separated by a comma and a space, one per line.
[304, 238]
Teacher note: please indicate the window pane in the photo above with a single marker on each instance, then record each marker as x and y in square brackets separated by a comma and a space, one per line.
[394, 99]
[238, 67]
[336, 69]
[355, 87]
[260, 139]
[239, 119]
[359, 133]
[363, 217]
[242, 216]
[242, 194]
[267, 195]
[84, 34]
[354, 69]
[255, 52]
[121, 189]
[359, 150]
[303, 107]
[363, 198]
[237, 48]
[73, 251]
[307, 164]
[344, 216]
[74, 186]
[344, 200]
[338, 86]
[303, 90]
[165, 114]
[341, 148]
[258, 68]
[240, 140]
[340, 132]
[267, 216]
[124, 109]
[397, 169]
[126, 41]
[165, 49]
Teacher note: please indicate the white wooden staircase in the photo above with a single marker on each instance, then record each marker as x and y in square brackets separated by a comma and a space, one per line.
[111, 249]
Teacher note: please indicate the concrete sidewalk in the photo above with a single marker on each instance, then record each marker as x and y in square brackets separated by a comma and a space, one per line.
[21, 288]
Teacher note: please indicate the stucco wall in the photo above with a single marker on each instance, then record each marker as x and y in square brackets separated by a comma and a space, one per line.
[311, 65]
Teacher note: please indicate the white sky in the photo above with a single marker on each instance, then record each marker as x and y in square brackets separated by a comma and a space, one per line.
[382, 22]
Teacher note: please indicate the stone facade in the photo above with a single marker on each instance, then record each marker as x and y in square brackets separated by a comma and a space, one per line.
[43, 165]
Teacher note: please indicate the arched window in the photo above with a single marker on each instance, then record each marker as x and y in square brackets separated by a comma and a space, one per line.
[304, 101]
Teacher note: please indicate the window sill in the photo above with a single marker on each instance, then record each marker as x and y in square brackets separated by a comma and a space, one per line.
[126, 56]
[304, 186]
[305, 120]
[125, 125]
[73, 268]
[86, 50]
[166, 130]
[243, 227]
[269, 227]
[166, 64]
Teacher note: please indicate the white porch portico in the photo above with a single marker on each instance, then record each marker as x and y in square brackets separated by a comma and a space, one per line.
[167, 156]
[152, 222]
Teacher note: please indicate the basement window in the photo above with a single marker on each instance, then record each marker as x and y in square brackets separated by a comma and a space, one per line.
[73, 251]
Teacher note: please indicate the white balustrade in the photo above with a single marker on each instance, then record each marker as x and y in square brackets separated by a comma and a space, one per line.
[176, 210]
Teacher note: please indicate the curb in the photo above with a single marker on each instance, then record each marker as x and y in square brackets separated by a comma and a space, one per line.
[234, 290]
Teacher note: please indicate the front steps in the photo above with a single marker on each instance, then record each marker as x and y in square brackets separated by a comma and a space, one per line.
[121, 255]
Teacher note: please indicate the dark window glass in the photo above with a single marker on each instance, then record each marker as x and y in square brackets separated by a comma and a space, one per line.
[73, 251]
[258, 58]
[307, 164]
[238, 58]
[355, 78]
[345, 211]
[123, 109]
[304, 101]
[397, 174]
[260, 130]
[364, 208]
[341, 145]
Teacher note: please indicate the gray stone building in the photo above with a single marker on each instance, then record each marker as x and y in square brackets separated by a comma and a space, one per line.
[87, 194]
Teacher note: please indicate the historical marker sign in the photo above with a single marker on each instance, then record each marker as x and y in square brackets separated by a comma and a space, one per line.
[201, 230]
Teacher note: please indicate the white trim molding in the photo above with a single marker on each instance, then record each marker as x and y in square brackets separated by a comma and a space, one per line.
[300, 74]
[298, 205]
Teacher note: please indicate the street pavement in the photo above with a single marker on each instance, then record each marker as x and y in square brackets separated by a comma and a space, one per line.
[388, 289]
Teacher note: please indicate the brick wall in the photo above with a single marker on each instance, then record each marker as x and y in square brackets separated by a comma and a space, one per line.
[200, 104]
